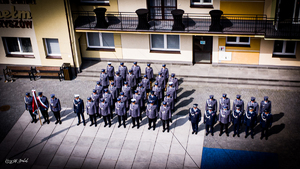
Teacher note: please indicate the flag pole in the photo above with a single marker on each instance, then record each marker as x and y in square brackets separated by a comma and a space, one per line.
[38, 109]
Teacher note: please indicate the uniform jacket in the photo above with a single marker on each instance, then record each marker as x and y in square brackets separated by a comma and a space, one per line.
[78, 106]
[161, 82]
[108, 98]
[45, 101]
[149, 72]
[195, 115]
[209, 117]
[146, 83]
[157, 91]
[264, 106]
[104, 79]
[55, 105]
[211, 103]
[139, 100]
[170, 101]
[113, 91]
[124, 99]
[165, 73]
[127, 91]
[165, 113]
[142, 92]
[120, 108]
[266, 120]
[175, 82]
[172, 92]
[154, 99]
[224, 102]
[151, 111]
[123, 71]
[237, 117]
[224, 116]
[91, 108]
[255, 106]
[134, 110]
[110, 71]
[118, 80]
[136, 71]
[250, 118]
[131, 80]
[240, 103]
[99, 90]
[104, 109]
[95, 98]
[28, 102]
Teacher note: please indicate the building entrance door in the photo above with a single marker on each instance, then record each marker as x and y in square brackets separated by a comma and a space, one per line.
[202, 49]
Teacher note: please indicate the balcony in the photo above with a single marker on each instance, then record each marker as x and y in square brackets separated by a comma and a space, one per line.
[193, 23]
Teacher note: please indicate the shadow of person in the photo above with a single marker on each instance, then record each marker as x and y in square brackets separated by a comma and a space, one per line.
[186, 94]
[112, 20]
[277, 117]
[179, 90]
[180, 81]
[276, 129]
[188, 22]
[184, 103]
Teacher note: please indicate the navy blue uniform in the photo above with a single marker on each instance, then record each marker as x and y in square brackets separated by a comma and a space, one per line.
[195, 118]
[265, 106]
[78, 107]
[250, 122]
[265, 123]
[44, 110]
[209, 121]
[237, 120]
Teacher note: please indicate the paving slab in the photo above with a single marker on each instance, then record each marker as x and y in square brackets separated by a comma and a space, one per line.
[74, 162]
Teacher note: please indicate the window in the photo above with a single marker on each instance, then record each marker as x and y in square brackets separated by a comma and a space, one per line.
[100, 40]
[238, 41]
[52, 47]
[165, 42]
[18, 46]
[201, 3]
[95, 1]
[284, 48]
[297, 12]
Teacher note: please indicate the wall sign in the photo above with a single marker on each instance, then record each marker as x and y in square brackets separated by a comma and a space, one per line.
[18, 17]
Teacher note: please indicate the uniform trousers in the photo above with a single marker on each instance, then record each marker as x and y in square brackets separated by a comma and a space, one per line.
[137, 121]
[195, 127]
[236, 128]
[222, 126]
[45, 115]
[152, 121]
[93, 119]
[211, 128]
[32, 115]
[111, 78]
[119, 91]
[164, 124]
[247, 130]
[107, 119]
[82, 116]
[57, 115]
[123, 119]
[264, 132]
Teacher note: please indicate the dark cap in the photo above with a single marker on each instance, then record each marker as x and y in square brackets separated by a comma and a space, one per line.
[140, 84]
[252, 98]
[156, 83]
[195, 105]
[152, 92]
[112, 83]
[266, 98]
[224, 95]
[148, 64]
[164, 103]
[118, 99]
[52, 95]
[98, 82]
[135, 63]
[168, 94]
[105, 90]
[101, 100]
[151, 101]
[130, 71]
[225, 106]
[211, 96]
[27, 94]
[40, 93]
[103, 70]
[121, 93]
[173, 74]
[121, 63]
[159, 73]
[238, 96]
[266, 110]
[163, 65]
[117, 72]
[125, 82]
[145, 75]
[94, 90]
[136, 91]
[89, 98]
[250, 107]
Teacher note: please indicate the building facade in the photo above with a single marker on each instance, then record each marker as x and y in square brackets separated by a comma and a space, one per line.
[253, 32]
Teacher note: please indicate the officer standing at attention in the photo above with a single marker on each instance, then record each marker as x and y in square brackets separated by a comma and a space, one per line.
[165, 115]
[28, 106]
[142, 92]
[165, 73]
[154, 99]
[254, 104]
[136, 71]
[209, 120]
[160, 80]
[55, 108]
[211, 102]
[240, 102]
[110, 71]
[131, 81]
[120, 110]
[125, 100]
[123, 71]
[104, 79]
[149, 72]
[158, 92]
[91, 111]
[266, 104]
[250, 121]
[96, 98]
[104, 110]
[138, 99]
[266, 120]
[108, 99]
[169, 99]
[195, 117]
[152, 114]
[44, 106]
[224, 101]
[78, 107]
[135, 113]
[99, 89]
[118, 80]
[113, 91]
[174, 80]
[146, 84]
[237, 120]
[127, 90]
[224, 119]
[171, 89]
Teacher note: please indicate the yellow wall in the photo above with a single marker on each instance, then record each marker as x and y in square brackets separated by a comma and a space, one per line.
[49, 20]
[266, 52]
[80, 7]
[131, 5]
[242, 7]
[185, 5]
[117, 54]
[242, 55]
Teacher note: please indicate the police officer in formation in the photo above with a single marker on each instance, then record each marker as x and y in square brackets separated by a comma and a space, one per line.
[174, 80]
[165, 73]
[154, 99]
[96, 98]
[254, 104]
[99, 89]
[250, 121]
[165, 115]
[131, 80]
[135, 113]
[44, 106]
[195, 117]
[170, 101]
[238, 101]
[91, 110]
[125, 100]
[114, 93]
[237, 120]
[123, 71]
[127, 90]
[209, 120]
[266, 104]
[55, 108]
[118, 80]
[105, 112]
[108, 99]
[172, 91]
[152, 114]
[138, 99]
[146, 84]
[78, 107]
[110, 71]
[211, 102]
[28, 106]
[158, 92]
[142, 92]
[136, 71]
[224, 119]
[120, 110]
[104, 79]
[224, 101]
[149, 72]
[266, 120]
[160, 80]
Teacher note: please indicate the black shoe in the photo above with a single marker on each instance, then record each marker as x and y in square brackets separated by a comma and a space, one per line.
[153, 129]
[227, 134]
[138, 127]
[234, 135]
[124, 126]
[105, 125]
[84, 124]
[48, 122]
[32, 121]
[252, 137]
[193, 132]
[164, 130]
[35, 120]
[59, 121]
[206, 134]
[212, 134]
[246, 136]
[95, 124]
[109, 126]
[78, 124]
[196, 132]
[238, 135]
[266, 138]
[44, 122]
[220, 134]
[149, 128]
[133, 126]
[56, 122]
[119, 125]
[169, 131]
[261, 138]
[91, 124]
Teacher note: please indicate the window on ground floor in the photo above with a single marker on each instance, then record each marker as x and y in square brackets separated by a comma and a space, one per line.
[18, 47]
[201, 3]
[100, 40]
[237, 41]
[165, 42]
[52, 48]
[284, 49]
[95, 1]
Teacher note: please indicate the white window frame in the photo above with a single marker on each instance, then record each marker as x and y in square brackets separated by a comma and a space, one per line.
[101, 42]
[95, 1]
[165, 44]
[237, 42]
[48, 54]
[202, 3]
[283, 49]
[295, 13]
[19, 44]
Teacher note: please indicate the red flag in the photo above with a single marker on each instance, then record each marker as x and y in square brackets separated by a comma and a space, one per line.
[34, 103]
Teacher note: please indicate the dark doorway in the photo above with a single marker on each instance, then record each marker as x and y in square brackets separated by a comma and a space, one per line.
[202, 49]
[161, 9]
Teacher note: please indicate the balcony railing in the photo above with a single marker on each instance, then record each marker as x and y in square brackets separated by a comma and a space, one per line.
[194, 23]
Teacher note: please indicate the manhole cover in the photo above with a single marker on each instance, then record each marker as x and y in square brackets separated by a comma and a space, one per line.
[5, 108]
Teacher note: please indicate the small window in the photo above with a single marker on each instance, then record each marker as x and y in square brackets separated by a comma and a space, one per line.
[296, 17]
[165, 42]
[284, 48]
[100, 40]
[52, 47]
[202, 2]
[238, 41]
[17, 46]
[95, 1]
